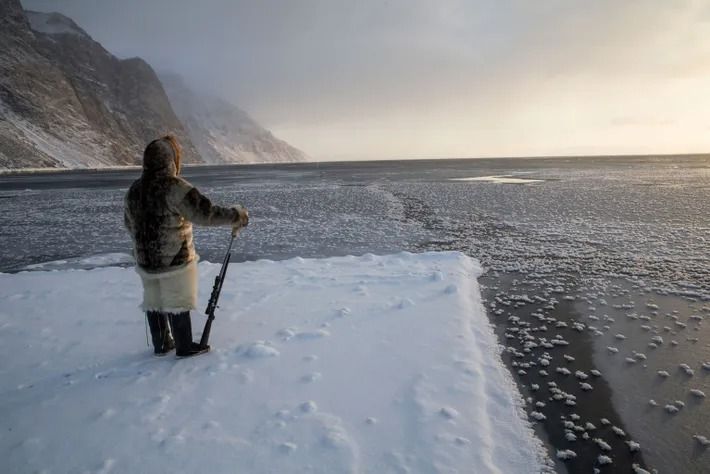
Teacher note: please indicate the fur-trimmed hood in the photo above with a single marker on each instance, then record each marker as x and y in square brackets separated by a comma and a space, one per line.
[162, 157]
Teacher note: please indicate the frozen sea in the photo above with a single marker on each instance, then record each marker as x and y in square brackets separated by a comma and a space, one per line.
[593, 264]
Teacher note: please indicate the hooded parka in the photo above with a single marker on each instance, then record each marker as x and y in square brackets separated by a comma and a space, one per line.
[160, 208]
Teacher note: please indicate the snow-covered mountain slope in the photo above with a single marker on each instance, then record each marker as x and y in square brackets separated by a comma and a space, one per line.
[342, 365]
[67, 102]
[54, 24]
[223, 133]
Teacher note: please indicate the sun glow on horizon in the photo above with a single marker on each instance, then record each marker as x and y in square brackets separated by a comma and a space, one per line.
[454, 78]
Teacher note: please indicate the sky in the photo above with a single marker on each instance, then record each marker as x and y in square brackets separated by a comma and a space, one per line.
[343, 79]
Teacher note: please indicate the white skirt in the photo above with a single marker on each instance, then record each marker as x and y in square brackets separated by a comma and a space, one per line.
[174, 291]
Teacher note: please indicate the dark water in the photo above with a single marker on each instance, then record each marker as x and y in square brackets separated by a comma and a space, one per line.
[596, 240]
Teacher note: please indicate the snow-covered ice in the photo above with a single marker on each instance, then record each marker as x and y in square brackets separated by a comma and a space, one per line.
[633, 446]
[417, 387]
[566, 454]
[686, 368]
[602, 460]
[602, 444]
[697, 393]
[500, 179]
[639, 470]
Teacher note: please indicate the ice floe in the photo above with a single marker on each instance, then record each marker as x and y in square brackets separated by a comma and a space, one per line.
[288, 385]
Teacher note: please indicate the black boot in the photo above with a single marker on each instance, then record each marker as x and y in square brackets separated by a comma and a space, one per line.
[160, 332]
[182, 330]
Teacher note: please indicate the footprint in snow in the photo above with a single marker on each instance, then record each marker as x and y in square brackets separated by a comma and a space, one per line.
[448, 413]
[107, 466]
[405, 303]
[129, 373]
[286, 333]
[103, 375]
[317, 334]
[310, 378]
[287, 448]
[210, 425]
[343, 312]
[284, 415]
[451, 289]
[336, 438]
[106, 414]
[258, 350]
[245, 376]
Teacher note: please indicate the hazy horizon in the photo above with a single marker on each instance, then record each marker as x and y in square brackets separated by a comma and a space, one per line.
[416, 79]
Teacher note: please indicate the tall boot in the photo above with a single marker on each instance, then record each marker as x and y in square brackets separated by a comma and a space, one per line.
[182, 330]
[160, 332]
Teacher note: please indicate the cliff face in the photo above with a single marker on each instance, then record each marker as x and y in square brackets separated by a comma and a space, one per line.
[223, 133]
[67, 102]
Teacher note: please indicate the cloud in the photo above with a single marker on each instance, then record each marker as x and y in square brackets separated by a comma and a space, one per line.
[398, 78]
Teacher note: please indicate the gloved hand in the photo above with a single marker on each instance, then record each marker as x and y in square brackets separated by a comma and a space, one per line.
[241, 219]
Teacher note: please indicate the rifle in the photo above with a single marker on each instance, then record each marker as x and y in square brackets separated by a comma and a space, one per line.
[216, 290]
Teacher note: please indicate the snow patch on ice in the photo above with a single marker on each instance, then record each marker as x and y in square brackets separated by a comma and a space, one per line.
[500, 179]
[78, 373]
[566, 454]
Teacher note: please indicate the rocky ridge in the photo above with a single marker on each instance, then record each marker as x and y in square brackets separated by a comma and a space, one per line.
[67, 102]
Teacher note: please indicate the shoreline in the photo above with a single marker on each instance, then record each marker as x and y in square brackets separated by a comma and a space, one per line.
[619, 157]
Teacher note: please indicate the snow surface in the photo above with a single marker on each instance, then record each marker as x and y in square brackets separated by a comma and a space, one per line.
[52, 24]
[349, 364]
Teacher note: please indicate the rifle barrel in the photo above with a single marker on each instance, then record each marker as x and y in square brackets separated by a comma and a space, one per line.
[216, 290]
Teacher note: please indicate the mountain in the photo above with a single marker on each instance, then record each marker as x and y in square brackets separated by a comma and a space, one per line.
[66, 102]
[223, 133]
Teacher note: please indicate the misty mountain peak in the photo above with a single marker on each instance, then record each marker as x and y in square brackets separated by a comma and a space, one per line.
[67, 102]
[221, 131]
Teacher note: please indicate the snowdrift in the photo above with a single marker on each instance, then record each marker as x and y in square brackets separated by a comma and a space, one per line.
[354, 364]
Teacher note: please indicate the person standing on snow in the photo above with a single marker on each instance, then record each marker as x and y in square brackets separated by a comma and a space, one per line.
[159, 209]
